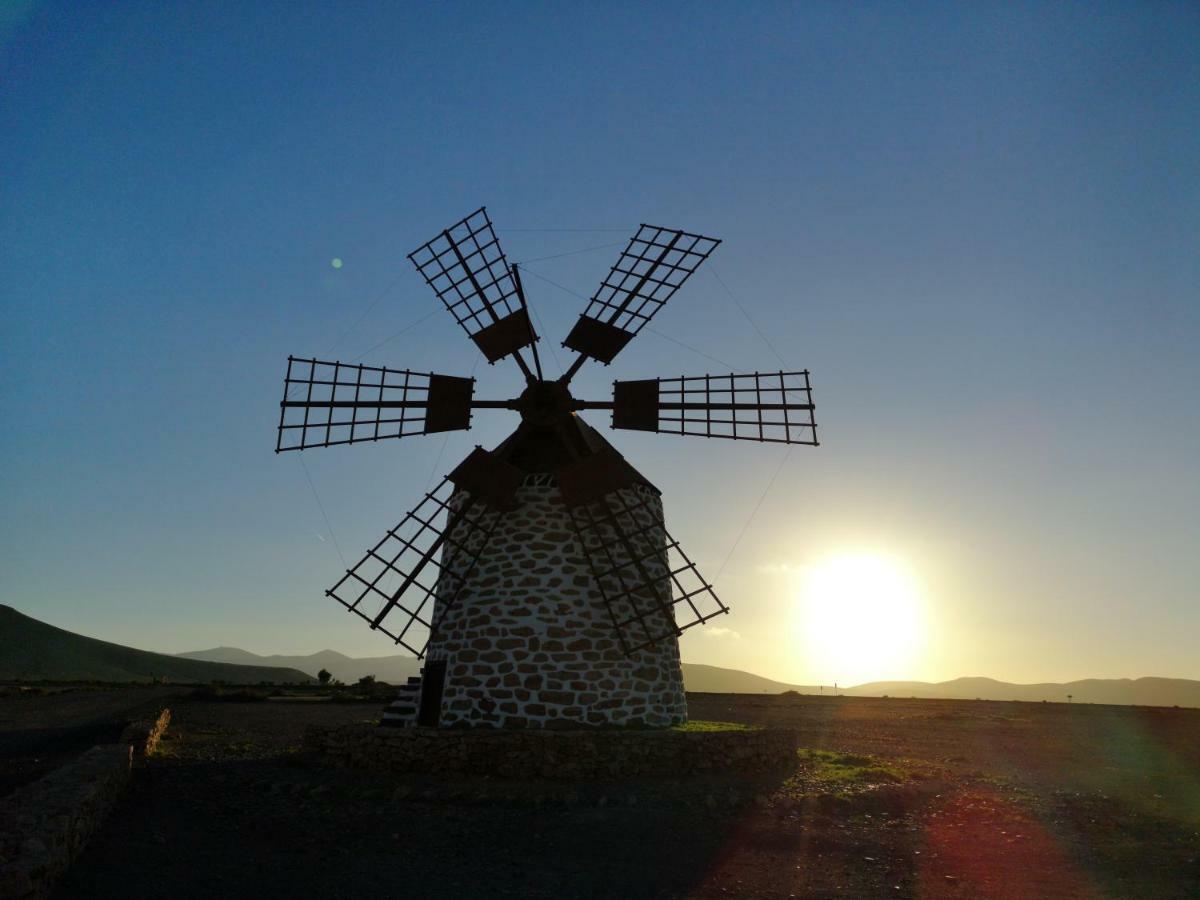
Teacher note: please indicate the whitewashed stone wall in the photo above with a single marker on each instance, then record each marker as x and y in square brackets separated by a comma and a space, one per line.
[530, 643]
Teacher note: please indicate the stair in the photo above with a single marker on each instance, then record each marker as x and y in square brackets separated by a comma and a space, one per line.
[402, 712]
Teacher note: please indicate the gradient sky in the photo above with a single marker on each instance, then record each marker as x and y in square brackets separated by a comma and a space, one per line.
[977, 224]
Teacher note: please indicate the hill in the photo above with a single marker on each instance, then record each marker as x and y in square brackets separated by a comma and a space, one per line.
[33, 650]
[714, 680]
[392, 669]
[1119, 691]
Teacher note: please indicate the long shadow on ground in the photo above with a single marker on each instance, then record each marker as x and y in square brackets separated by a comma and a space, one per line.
[276, 829]
[895, 798]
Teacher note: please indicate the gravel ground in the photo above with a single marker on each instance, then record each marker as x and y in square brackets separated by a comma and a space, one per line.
[899, 798]
[40, 728]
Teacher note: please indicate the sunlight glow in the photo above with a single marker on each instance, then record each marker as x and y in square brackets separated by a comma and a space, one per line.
[860, 619]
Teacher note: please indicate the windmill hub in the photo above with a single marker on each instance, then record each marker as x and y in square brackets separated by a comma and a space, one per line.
[544, 402]
[538, 580]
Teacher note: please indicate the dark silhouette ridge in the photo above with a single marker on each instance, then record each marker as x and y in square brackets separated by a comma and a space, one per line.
[34, 651]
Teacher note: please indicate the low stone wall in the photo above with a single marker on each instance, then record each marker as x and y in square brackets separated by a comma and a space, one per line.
[44, 825]
[144, 734]
[584, 755]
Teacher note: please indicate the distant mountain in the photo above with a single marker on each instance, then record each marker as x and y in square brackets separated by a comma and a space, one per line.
[1120, 691]
[713, 680]
[33, 650]
[395, 669]
[392, 669]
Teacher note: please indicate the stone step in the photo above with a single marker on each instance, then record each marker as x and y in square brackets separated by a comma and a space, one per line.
[402, 712]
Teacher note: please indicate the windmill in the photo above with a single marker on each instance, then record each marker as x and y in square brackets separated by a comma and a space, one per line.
[538, 580]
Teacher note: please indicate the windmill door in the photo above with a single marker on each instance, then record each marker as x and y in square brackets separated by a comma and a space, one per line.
[433, 682]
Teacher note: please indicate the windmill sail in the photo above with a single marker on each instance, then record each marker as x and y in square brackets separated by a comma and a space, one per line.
[433, 549]
[330, 403]
[772, 407]
[469, 272]
[654, 265]
[651, 588]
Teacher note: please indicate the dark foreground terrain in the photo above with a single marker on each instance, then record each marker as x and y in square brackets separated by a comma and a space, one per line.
[42, 728]
[892, 798]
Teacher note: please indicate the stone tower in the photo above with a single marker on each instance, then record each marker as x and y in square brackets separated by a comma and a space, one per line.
[530, 642]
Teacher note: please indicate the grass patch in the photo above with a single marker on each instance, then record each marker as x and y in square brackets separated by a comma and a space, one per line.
[828, 765]
[165, 748]
[696, 727]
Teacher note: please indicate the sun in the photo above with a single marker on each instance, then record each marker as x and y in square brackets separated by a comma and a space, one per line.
[860, 619]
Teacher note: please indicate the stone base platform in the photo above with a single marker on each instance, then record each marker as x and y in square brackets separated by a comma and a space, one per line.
[586, 755]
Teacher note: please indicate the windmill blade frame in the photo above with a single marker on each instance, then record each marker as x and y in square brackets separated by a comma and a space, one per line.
[330, 403]
[653, 266]
[422, 551]
[769, 407]
[644, 577]
[467, 269]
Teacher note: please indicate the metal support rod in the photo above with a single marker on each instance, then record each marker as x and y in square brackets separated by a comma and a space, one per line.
[608, 404]
[533, 338]
[575, 367]
[354, 404]
[515, 404]
[763, 406]
[524, 366]
[389, 404]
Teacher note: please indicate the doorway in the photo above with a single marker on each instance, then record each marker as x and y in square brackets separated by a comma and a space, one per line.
[433, 683]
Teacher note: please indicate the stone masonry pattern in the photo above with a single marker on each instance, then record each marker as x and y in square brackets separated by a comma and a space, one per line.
[530, 642]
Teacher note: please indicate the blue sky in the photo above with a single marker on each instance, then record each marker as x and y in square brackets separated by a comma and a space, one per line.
[975, 223]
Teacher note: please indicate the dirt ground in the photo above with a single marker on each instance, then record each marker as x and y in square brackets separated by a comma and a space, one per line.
[41, 728]
[891, 798]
